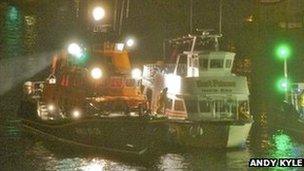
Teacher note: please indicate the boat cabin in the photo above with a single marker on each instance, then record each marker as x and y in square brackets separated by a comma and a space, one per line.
[209, 91]
[203, 88]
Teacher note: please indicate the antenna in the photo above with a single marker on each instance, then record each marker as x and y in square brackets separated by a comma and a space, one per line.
[220, 17]
[191, 16]
[128, 9]
[121, 17]
[115, 15]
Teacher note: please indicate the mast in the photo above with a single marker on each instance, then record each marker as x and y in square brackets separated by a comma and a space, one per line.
[220, 16]
[121, 17]
[115, 15]
[191, 16]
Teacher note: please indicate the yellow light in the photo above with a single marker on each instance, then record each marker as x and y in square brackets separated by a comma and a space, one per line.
[96, 73]
[98, 13]
[136, 73]
[51, 107]
[76, 114]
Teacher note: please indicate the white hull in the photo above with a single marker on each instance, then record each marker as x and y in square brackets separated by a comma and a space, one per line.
[210, 134]
[238, 135]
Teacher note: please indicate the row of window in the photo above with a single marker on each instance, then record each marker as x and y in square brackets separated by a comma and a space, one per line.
[215, 63]
[204, 106]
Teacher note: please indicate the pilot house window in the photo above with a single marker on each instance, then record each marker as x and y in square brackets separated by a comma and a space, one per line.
[216, 63]
[205, 106]
[203, 63]
[228, 63]
[191, 106]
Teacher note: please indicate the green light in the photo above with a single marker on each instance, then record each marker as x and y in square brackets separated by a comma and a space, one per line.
[283, 51]
[14, 31]
[13, 13]
[283, 84]
[282, 142]
[283, 145]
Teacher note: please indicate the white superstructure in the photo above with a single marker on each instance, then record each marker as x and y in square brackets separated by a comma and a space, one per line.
[202, 88]
[207, 105]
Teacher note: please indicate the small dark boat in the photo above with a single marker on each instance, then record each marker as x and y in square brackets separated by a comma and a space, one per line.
[289, 117]
[118, 134]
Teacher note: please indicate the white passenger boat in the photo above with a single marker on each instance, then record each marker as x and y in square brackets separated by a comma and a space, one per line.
[207, 105]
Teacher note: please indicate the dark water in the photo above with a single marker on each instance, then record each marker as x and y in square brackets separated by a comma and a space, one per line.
[21, 36]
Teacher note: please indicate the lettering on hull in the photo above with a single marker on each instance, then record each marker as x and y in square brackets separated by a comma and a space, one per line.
[215, 83]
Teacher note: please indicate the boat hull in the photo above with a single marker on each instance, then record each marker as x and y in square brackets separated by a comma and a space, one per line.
[120, 135]
[210, 134]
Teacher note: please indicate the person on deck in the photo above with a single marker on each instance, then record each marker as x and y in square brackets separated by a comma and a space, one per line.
[161, 103]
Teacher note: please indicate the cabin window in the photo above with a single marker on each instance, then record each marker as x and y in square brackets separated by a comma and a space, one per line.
[169, 104]
[221, 106]
[203, 63]
[178, 105]
[191, 106]
[216, 63]
[232, 106]
[205, 106]
[228, 63]
[182, 59]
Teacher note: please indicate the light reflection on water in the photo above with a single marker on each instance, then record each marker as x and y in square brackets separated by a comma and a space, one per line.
[35, 154]
[13, 32]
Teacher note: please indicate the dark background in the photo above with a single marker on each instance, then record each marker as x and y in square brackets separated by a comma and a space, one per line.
[251, 28]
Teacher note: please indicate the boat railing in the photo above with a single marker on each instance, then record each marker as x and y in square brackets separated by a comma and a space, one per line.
[34, 89]
[151, 70]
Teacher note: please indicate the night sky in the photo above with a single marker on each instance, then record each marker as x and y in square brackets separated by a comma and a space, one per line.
[153, 21]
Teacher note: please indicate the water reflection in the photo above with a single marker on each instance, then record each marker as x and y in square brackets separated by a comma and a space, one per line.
[12, 32]
[32, 153]
[283, 146]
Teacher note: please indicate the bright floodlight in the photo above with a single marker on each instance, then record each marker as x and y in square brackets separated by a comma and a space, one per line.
[98, 13]
[51, 107]
[75, 49]
[76, 114]
[96, 73]
[130, 42]
[173, 83]
[119, 46]
[136, 73]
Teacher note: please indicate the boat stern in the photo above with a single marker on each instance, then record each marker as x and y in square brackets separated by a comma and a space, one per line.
[238, 134]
